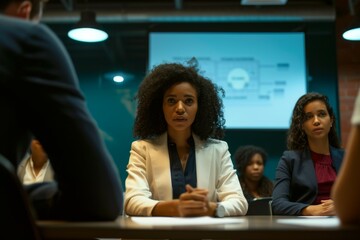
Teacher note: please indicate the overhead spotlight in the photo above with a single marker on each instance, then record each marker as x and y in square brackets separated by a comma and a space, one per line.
[117, 77]
[87, 29]
[352, 33]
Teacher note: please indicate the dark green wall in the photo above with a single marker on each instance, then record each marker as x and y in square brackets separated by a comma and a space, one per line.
[113, 109]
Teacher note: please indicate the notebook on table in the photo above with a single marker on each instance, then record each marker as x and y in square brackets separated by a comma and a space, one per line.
[260, 206]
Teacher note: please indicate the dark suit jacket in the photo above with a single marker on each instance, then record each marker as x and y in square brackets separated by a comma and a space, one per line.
[40, 96]
[295, 181]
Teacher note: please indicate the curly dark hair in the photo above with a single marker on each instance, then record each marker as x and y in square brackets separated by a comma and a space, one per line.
[296, 138]
[150, 121]
[243, 156]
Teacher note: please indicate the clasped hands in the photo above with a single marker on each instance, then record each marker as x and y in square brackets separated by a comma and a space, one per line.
[194, 202]
[325, 208]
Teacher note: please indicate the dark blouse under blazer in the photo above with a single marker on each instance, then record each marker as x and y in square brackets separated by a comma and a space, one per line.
[295, 181]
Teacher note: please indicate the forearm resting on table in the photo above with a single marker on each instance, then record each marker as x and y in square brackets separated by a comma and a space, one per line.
[167, 208]
[171, 209]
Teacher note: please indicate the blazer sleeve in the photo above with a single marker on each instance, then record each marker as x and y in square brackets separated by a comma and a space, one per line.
[138, 197]
[228, 188]
[282, 203]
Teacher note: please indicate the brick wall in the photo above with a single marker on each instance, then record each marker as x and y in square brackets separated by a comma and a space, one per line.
[348, 59]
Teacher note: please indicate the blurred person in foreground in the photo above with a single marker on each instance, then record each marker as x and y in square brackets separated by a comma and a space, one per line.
[345, 191]
[37, 79]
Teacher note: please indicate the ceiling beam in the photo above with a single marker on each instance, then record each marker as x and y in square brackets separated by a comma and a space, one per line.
[281, 13]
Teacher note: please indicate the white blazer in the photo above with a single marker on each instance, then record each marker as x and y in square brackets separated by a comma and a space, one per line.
[149, 176]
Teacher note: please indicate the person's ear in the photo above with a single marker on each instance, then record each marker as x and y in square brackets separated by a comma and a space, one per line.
[24, 10]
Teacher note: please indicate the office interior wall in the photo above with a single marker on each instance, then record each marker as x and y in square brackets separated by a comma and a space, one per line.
[114, 108]
[348, 65]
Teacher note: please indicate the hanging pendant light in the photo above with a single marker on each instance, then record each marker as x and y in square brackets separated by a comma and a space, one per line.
[352, 33]
[87, 29]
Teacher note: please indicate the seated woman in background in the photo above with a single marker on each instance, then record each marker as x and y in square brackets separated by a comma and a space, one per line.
[250, 163]
[178, 167]
[307, 171]
[36, 167]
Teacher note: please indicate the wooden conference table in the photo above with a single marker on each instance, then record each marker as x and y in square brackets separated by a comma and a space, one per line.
[245, 228]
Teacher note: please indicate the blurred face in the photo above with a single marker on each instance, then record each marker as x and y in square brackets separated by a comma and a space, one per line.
[317, 121]
[180, 106]
[37, 150]
[255, 168]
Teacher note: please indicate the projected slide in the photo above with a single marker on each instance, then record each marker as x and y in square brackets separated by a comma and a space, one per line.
[263, 74]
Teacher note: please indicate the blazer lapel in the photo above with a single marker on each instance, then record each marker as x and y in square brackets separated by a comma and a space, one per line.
[203, 163]
[161, 168]
[337, 156]
[309, 169]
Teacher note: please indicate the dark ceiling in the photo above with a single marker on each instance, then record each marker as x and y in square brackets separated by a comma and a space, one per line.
[147, 7]
[129, 21]
[143, 10]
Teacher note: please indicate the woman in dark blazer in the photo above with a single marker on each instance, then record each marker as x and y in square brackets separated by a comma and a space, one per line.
[307, 171]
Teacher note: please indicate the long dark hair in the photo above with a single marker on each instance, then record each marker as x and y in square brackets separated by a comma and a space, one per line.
[243, 156]
[296, 138]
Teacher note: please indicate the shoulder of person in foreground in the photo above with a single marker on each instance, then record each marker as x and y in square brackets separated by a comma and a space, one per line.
[345, 190]
[21, 30]
[35, 49]
[37, 70]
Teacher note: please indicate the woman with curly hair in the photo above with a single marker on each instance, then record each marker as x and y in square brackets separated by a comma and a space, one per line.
[250, 163]
[179, 167]
[307, 171]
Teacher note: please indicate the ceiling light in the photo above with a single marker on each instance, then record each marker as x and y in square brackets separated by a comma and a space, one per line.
[263, 2]
[117, 77]
[87, 29]
[353, 32]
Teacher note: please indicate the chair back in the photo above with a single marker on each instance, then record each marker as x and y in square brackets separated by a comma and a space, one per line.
[16, 216]
[260, 206]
